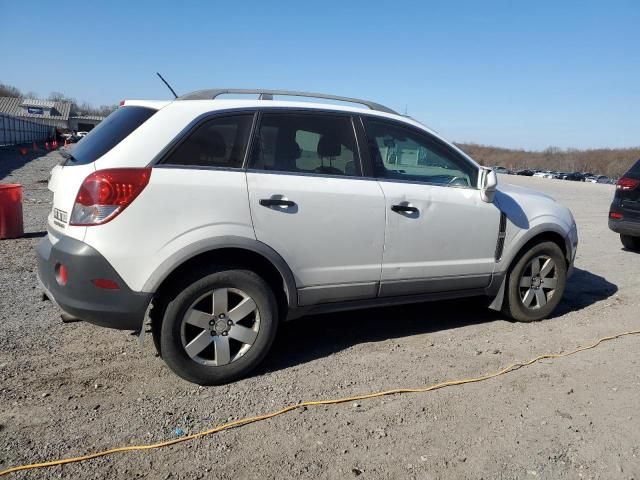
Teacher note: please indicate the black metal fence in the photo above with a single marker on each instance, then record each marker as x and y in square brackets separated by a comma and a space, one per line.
[14, 131]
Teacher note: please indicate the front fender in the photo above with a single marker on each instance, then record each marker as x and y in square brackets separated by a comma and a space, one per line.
[517, 238]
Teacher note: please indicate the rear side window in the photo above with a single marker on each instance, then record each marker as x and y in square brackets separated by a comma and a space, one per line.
[219, 142]
[306, 143]
[109, 133]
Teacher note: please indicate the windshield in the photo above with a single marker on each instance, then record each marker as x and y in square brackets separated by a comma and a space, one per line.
[110, 132]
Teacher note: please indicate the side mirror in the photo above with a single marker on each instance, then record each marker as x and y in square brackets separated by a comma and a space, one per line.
[488, 185]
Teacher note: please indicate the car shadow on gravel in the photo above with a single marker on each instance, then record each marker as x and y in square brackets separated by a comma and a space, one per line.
[11, 159]
[319, 336]
[583, 289]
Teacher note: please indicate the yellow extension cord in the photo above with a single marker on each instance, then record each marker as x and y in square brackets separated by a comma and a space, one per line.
[245, 421]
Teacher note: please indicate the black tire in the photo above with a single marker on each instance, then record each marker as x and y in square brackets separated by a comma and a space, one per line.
[171, 341]
[514, 305]
[629, 242]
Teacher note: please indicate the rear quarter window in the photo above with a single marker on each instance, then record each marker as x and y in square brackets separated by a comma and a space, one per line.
[635, 168]
[109, 133]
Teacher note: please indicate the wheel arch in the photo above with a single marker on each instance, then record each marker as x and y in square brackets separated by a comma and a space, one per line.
[236, 251]
[541, 234]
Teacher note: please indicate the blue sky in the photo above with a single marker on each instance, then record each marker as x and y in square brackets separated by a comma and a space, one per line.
[525, 74]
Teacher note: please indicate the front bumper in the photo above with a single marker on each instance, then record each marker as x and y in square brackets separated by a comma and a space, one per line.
[120, 308]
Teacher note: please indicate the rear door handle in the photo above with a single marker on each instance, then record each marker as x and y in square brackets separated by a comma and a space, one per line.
[276, 202]
[404, 209]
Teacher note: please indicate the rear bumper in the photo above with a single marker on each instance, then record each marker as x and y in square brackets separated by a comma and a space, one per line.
[121, 308]
[625, 227]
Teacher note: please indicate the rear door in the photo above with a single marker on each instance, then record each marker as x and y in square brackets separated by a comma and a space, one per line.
[439, 234]
[310, 203]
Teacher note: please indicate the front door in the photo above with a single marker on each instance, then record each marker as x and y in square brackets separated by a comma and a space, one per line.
[439, 234]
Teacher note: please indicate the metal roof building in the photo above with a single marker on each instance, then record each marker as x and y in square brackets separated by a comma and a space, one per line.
[47, 112]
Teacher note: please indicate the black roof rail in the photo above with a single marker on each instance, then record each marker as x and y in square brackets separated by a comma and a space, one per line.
[268, 95]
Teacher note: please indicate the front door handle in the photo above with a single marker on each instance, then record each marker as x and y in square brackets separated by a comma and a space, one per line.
[404, 209]
[276, 202]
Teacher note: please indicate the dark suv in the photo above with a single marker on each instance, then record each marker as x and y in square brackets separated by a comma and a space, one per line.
[624, 214]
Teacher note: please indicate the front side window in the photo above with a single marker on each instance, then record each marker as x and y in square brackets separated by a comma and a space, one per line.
[219, 142]
[400, 153]
[306, 143]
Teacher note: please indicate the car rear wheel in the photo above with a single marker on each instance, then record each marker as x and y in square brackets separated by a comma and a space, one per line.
[219, 327]
[632, 243]
[536, 283]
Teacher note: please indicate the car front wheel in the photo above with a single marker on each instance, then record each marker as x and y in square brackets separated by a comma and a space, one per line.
[219, 327]
[536, 283]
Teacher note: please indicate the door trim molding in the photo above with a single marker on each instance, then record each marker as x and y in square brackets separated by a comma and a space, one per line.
[335, 293]
[394, 288]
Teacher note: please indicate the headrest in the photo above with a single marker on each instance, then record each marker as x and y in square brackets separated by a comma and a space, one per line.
[286, 146]
[217, 145]
[329, 146]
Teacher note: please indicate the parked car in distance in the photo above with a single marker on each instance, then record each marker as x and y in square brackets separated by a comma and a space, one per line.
[525, 172]
[542, 173]
[624, 214]
[499, 169]
[598, 179]
[222, 218]
[575, 177]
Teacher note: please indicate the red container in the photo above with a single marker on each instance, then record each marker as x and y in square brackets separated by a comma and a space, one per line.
[11, 211]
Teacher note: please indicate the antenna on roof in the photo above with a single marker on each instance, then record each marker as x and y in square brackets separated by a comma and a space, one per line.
[167, 84]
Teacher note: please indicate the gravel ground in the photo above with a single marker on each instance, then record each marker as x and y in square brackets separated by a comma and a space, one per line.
[75, 388]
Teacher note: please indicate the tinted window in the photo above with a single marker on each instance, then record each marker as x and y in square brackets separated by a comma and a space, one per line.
[108, 133]
[635, 168]
[306, 143]
[404, 154]
[219, 142]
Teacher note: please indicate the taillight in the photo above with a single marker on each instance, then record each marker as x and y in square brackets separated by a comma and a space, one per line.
[615, 215]
[122, 103]
[106, 193]
[626, 183]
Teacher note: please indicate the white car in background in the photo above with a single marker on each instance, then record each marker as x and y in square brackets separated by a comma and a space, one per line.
[223, 218]
[543, 174]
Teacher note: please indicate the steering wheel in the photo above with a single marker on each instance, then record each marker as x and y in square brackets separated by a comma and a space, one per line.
[458, 182]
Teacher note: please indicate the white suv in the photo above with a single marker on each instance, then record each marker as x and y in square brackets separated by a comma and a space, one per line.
[220, 218]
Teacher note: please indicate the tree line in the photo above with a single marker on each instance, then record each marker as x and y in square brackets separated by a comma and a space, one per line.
[612, 162]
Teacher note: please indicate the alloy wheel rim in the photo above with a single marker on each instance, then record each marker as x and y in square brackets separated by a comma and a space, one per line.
[538, 282]
[220, 327]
